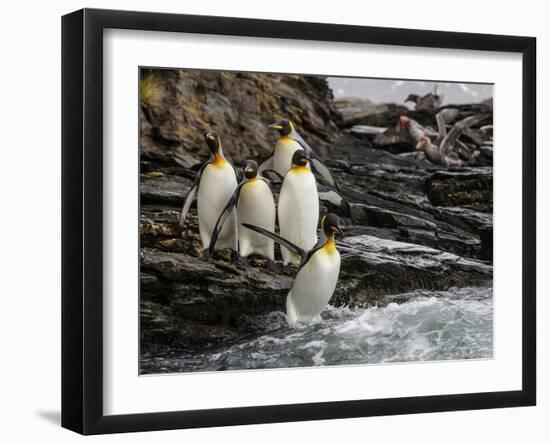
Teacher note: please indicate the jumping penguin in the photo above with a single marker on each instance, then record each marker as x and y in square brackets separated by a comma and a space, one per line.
[288, 143]
[255, 205]
[298, 207]
[318, 274]
[214, 185]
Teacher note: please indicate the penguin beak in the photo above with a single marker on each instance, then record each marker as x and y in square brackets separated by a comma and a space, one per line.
[337, 230]
[276, 126]
[210, 137]
[249, 171]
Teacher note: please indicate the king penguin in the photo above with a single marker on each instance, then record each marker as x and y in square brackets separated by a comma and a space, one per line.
[298, 207]
[285, 147]
[214, 185]
[288, 143]
[255, 205]
[318, 274]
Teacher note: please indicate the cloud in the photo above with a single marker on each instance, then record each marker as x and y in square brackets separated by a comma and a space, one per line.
[468, 90]
[396, 84]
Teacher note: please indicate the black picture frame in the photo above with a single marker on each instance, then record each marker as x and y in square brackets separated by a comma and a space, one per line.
[82, 218]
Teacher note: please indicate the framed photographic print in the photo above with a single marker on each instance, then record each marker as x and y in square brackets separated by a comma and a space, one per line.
[271, 221]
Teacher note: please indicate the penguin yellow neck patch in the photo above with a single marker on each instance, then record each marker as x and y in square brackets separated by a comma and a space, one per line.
[300, 169]
[330, 245]
[219, 160]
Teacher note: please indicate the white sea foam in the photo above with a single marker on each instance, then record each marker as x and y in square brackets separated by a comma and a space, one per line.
[455, 324]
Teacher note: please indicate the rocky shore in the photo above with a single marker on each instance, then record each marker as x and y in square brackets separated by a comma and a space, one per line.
[416, 225]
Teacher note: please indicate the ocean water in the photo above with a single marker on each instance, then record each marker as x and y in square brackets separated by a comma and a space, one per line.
[447, 325]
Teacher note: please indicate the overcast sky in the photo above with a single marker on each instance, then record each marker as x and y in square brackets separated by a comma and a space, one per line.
[395, 91]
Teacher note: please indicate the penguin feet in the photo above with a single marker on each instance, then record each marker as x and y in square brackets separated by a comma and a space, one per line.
[242, 261]
[272, 267]
[287, 269]
[206, 256]
[235, 258]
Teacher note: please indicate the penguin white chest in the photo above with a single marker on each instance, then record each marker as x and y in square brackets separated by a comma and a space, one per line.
[256, 206]
[282, 157]
[298, 211]
[314, 285]
[218, 182]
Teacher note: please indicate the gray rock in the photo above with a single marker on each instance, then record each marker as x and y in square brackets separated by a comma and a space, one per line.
[471, 188]
[387, 267]
[366, 131]
[353, 110]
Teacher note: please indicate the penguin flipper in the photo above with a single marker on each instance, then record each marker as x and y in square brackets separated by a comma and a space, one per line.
[223, 218]
[266, 165]
[283, 241]
[268, 172]
[319, 167]
[316, 162]
[335, 197]
[188, 201]
[298, 138]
